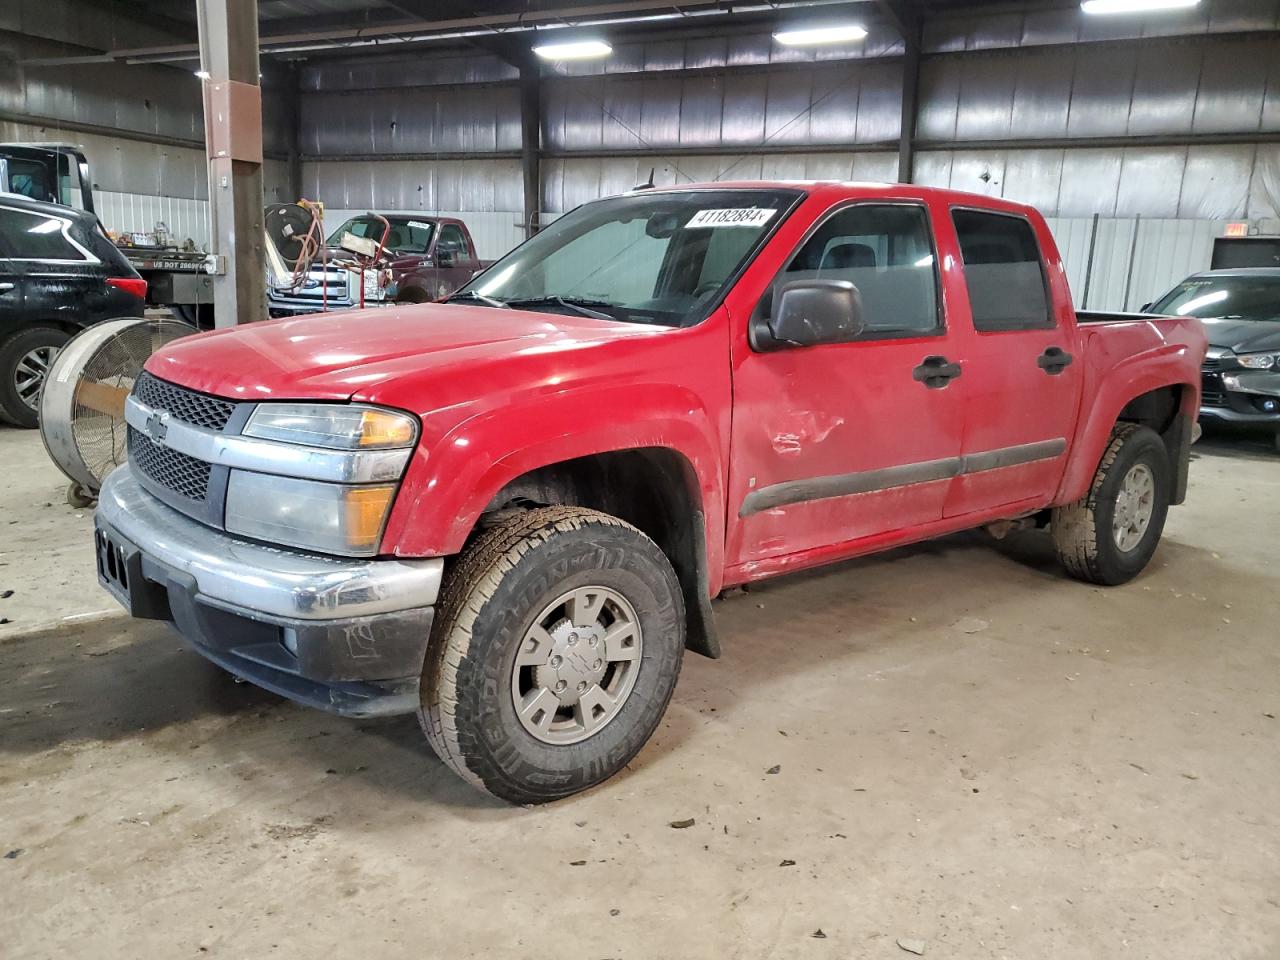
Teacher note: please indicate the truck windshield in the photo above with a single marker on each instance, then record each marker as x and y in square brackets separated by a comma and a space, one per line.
[649, 257]
[1234, 298]
[406, 236]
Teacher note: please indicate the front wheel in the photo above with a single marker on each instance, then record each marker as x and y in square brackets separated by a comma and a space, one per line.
[1108, 536]
[557, 647]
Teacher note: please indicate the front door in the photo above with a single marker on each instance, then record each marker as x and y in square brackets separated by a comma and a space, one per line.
[839, 442]
[455, 260]
[1025, 379]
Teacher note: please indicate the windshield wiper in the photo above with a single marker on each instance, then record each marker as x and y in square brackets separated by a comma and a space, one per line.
[579, 305]
[477, 297]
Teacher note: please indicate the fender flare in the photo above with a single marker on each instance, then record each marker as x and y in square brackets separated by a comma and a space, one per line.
[1128, 380]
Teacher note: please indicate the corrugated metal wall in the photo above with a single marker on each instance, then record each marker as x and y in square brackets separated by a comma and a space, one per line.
[1128, 272]
[1226, 182]
[138, 181]
[1042, 106]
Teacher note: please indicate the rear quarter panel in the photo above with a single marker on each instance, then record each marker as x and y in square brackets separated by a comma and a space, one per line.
[1124, 359]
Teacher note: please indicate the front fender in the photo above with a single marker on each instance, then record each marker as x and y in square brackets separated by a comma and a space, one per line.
[449, 485]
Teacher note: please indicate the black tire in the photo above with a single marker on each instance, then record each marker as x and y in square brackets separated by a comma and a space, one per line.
[13, 408]
[1083, 531]
[491, 597]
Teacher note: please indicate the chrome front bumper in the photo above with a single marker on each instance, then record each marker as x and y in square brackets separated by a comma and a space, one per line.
[269, 580]
[349, 636]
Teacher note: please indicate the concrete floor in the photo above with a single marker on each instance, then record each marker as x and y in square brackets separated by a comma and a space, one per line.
[46, 548]
[973, 752]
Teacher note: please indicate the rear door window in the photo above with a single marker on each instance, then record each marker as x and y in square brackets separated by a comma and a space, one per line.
[38, 237]
[1003, 271]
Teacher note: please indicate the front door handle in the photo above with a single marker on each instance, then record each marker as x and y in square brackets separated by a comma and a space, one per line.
[935, 372]
[1054, 360]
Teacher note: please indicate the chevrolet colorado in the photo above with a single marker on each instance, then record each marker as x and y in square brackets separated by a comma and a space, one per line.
[509, 512]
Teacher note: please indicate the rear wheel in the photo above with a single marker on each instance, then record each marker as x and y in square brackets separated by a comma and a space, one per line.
[1110, 534]
[25, 359]
[557, 647]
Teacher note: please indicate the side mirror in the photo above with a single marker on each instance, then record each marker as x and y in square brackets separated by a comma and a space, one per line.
[807, 313]
[1145, 308]
[445, 258]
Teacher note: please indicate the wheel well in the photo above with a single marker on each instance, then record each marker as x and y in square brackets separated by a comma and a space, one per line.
[413, 295]
[652, 488]
[71, 329]
[1161, 410]
[1155, 408]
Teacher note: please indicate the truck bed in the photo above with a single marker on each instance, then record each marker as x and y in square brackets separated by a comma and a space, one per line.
[1107, 316]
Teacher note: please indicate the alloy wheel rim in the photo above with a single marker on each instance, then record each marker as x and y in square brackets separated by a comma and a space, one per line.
[576, 665]
[30, 373]
[1135, 503]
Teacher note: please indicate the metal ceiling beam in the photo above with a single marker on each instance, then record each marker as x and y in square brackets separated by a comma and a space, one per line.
[296, 37]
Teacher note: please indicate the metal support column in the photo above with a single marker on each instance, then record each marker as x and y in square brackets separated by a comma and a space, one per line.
[531, 145]
[910, 97]
[906, 18]
[293, 114]
[233, 143]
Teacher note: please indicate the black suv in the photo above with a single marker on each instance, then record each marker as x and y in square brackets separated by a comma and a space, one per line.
[59, 273]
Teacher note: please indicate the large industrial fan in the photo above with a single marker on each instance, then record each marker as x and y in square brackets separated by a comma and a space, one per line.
[82, 403]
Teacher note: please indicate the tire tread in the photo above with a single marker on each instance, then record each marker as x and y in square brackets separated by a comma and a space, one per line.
[471, 583]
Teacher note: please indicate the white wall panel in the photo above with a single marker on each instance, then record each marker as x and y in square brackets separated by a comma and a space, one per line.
[1166, 251]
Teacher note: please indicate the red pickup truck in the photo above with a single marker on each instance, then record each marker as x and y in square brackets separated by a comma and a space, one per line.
[509, 512]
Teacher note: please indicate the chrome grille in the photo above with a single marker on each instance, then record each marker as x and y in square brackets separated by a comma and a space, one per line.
[182, 404]
[186, 476]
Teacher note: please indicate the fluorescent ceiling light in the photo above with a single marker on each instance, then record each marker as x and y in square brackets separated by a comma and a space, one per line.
[573, 50]
[814, 36]
[204, 74]
[1135, 6]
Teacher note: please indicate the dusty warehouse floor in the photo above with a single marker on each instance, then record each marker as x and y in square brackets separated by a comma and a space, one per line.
[972, 751]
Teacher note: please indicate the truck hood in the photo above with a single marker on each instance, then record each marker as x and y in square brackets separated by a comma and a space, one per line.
[1243, 336]
[338, 356]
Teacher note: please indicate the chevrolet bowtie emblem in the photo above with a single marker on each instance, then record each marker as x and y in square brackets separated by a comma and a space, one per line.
[156, 426]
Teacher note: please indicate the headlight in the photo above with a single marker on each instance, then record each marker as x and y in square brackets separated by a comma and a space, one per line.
[1259, 361]
[332, 425]
[326, 517]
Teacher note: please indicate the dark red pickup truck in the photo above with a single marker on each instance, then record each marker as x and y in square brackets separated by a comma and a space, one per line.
[428, 258]
[509, 512]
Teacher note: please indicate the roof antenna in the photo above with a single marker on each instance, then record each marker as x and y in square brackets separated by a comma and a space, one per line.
[649, 184]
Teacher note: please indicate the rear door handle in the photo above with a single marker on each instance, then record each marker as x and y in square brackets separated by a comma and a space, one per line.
[935, 372]
[1054, 360]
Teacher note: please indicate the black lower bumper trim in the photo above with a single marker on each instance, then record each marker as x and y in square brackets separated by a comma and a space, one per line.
[357, 666]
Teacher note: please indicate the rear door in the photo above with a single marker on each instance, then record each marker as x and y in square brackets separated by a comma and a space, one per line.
[11, 275]
[1023, 377]
[844, 441]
